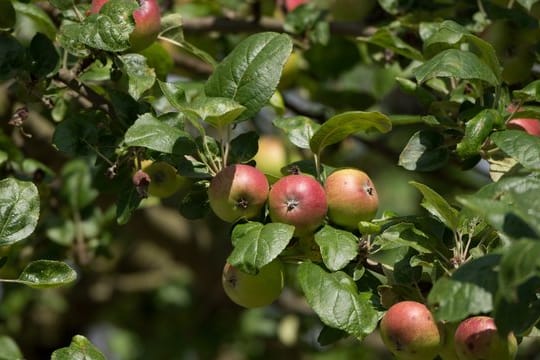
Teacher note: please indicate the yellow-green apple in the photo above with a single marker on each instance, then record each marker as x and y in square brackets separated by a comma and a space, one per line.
[253, 290]
[409, 331]
[351, 197]
[238, 192]
[147, 19]
[159, 179]
[298, 200]
[273, 155]
[477, 338]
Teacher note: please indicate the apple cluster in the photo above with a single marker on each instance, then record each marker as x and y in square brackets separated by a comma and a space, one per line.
[241, 192]
[410, 332]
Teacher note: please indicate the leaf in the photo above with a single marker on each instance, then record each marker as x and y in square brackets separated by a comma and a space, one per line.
[449, 34]
[340, 126]
[425, 151]
[519, 145]
[19, 210]
[256, 244]
[299, 129]
[43, 56]
[149, 132]
[455, 64]
[338, 247]
[46, 274]
[77, 187]
[251, 72]
[217, 111]
[36, 16]
[244, 147]
[386, 39]
[79, 349]
[75, 132]
[527, 4]
[403, 235]
[336, 300]
[139, 76]
[531, 92]
[437, 206]
[9, 350]
[469, 291]
[12, 56]
[519, 263]
[7, 14]
[128, 201]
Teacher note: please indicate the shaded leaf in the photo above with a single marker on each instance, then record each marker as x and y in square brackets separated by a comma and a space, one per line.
[384, 38]
[425, 151]
[437, 206]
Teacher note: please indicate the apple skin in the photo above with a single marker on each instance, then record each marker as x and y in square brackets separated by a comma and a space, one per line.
[147, 22]
[298, 200]
[530, 126]
[477, 338]
[257, 290]
[238, 192]
[351, 196]
[290, 5]
[273, 155]
[409, 331]
[164, 180]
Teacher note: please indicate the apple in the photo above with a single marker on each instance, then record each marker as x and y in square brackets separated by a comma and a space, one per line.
[290, 5]
[409, 331]
[253, 290]
[351, 196]
[159, 179]
[531, 126]
[273, 155]
[448, 348]
[238, 192]
[147, 22]
[477, 338]
[298, 200]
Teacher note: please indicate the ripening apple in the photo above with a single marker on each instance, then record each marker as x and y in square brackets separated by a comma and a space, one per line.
[477, 338]
[238, 192]
[529, 125]
[290, 5]
[351, 197]
[273, 155]
[164, 180]
[298, 200]
[409, 331]
[147, 22]
[253, 290]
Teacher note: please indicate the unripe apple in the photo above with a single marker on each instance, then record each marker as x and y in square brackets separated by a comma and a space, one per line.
[409, 331]
[298, 200]
[147, 22]
[159, 179]
[351, 196]
[477, 338]
[254, 290]
[238, 192]
[273, 155]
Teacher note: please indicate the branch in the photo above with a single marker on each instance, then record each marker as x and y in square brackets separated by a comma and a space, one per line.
[226, 25]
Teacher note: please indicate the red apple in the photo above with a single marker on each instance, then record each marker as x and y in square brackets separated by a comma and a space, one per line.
[409, 331]
[531, 126]
[290, 5]
[238, 191]
[147, 22]
[477, 338]
[298, 200]
[351, 196]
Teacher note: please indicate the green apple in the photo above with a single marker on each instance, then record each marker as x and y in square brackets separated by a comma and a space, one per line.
[254, 290]
[409, 331]
[163, 179]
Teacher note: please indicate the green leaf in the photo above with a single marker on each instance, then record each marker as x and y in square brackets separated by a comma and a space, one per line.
[519, 145]
[437, 206]
[519, 263]
[451, 34]
[251, 72]
[68, 37]
[299, 129]
[7, 14]
[338, 247]
[43, 56]
[256, 244]
[46, 274]
[531, 92]
[77, 184]
[12, 56]
[527, 4]
[386, 39]
[31, 18]
[79, 349]
[425, 151]
[340, 126]
[128, 201]
[149, 132]
[402, 236]
[19, 210]
[336, 300]
[75, 132]
[469, 291]
[139, 76]
[9, 350]
[217, 111]
[244, 147]
[456, 64]
[477, 131]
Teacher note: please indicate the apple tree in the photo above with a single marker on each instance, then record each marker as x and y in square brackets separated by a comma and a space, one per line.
[356, 176]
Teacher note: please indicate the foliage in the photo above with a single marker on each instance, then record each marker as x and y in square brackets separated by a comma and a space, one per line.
[425, 85]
